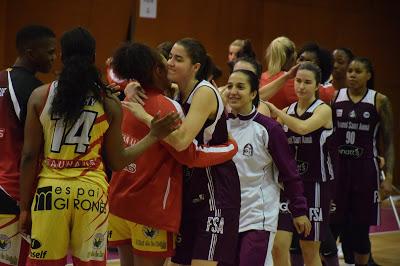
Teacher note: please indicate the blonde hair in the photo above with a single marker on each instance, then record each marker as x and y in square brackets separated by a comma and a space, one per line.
[278, 52]
[238, 42]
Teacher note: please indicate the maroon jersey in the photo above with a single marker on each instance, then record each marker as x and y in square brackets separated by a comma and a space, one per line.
[310, 150]
[356, 126]
[11, 137]
[220, 182]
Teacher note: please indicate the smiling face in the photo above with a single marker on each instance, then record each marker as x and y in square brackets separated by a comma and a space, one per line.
[357, 75]
[305, 85]
[180, 66]
[239, 93]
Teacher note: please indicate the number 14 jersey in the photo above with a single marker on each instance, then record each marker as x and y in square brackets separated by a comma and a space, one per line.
[356, 125]
[74, 151]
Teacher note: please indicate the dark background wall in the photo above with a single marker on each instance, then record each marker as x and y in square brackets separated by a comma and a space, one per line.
[369, 27]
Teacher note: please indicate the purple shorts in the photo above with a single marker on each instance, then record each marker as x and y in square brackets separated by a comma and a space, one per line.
[208, 235]
[318, 201]
[356, 196]
[254, 248]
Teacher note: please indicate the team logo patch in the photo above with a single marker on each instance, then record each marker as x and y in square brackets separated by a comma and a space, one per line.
[2, 132]
[2, 91]
[286, 128]
[35, 244]
[352, 114]
[284, 207]
[98, 241]
[131, 168]
[339, 112]
[149, 232]
[5, 242]
[248, 150]
[366, 115]
[302, 167]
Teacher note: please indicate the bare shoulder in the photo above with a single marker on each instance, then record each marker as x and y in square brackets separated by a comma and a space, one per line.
[382, 102]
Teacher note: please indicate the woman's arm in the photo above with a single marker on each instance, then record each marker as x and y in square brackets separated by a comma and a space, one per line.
[386, 119]
[204, 104]
[321, 117]
[33, 143]
[118, 156]
[269, 90]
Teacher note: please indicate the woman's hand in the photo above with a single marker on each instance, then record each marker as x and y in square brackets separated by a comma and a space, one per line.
[162, 127]
[135, 93]
[137, 110]
[302, 225]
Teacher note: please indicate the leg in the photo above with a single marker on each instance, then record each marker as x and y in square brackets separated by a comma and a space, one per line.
[328, 250]
[253, 248]
[148, 261]
[310, 251]
[280, 251]
[361, 244]
[125, 255]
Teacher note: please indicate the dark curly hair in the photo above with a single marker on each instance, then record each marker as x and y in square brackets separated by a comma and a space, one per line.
[324, 59]
[136, 61]
[79, 76]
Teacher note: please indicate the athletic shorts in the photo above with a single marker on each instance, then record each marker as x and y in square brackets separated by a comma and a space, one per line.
[318, 202]
[255, 248]
[14, 249]
[68, 214]
[145, 240]
[208, 235]
[357, 192]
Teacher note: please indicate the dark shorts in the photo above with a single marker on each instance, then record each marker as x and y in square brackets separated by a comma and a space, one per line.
[208, 235]
[254, 248]
[357, 196]
[318, 202]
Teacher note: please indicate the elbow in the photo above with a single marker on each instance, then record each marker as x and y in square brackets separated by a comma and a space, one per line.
[28, 157]
[303, 130]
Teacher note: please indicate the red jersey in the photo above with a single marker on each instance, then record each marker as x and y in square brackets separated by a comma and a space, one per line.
[285, 96]
[11, 137]
[326, 92]
[149, 191]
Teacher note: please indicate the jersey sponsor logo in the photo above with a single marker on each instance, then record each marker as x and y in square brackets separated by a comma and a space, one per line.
[215, 225]
[366, 114]
[284, 207]
[248, 150]
[2, 132]
[5, 242]
[98, 241]
[332, 207]
[130, 168]
[315, 215]
[59, 199]
[350, 151]
[149, 232]
[43, 199]
[377, 197]
[352, 114]
[2, 91]
[35, 244]
[38, 255]
[302, 167]
[339, 112]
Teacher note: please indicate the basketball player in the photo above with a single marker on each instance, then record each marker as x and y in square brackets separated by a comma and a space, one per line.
[264, 163]
[211, 196]
[360, 115]
[36, 53]
[308, 126]
[152, 186]
[71, 121]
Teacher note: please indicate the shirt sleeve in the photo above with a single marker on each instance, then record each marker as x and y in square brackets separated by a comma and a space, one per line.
[288, 175]
[203, 155]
